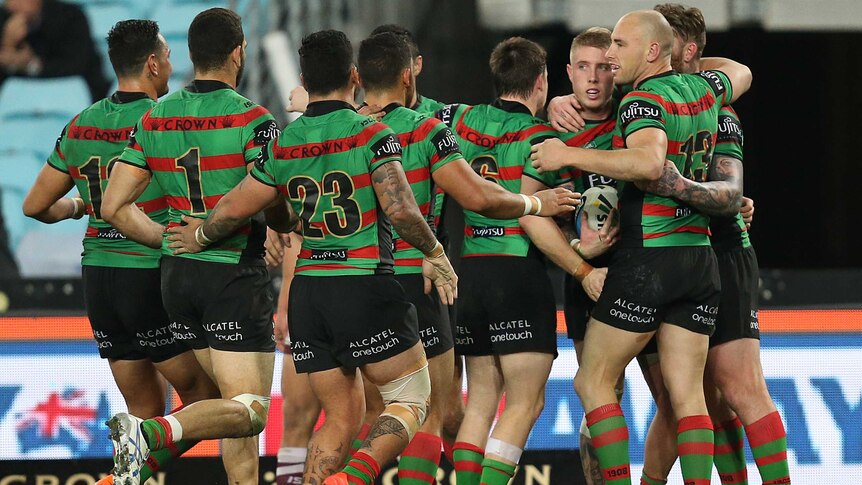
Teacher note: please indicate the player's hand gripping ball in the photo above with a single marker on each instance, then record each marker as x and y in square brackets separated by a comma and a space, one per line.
[596, 204]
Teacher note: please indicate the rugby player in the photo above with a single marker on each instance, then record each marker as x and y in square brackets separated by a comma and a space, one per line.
[593, 88]
[736, 394]
[431, 157]
[196, 144]
[506, 325]
[664, 279]
[121, 277]
[341, 173]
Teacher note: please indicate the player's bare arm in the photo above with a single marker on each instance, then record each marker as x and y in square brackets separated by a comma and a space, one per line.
[125, 185]
[739, 74]
[45, 201]
[721, 196]
[747, 211]
[643, 159]
[234, 209]
[398, 203]
[476, 194]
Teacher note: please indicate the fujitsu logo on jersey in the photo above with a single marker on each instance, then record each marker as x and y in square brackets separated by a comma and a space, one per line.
[490, 231]
[445, 142]
[729, 129]
[639, 110]
[265, 132]
[445, 114]
[714, 79]
[386, 147]
[328, 255]
[110, 233]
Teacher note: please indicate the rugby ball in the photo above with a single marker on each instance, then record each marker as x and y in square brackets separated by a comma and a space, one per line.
[596, 203]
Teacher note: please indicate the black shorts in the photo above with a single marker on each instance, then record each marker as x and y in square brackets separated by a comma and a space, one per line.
[348, 321]
[435, 331]
[578, 307]
[648, 286]
[737, 313]
[218, 305]
[125, 309]
[505, 306]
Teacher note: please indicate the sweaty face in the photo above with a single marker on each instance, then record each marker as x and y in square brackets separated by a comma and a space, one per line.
[592, 77]
[627, 51]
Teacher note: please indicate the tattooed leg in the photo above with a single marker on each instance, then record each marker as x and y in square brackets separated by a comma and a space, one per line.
[590, 462]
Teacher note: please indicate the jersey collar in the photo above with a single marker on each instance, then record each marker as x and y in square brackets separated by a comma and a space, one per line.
[120, 97]
[418, 102]
[206, 86]
[511, 106]
[320, 108]
[391, 107]
[662, 74]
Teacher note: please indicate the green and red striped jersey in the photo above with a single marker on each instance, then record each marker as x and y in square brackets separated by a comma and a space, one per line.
[427, 144]
[322, 164]
[598, 135]
[729, 232]
[495, 140]
[87, 150]
[685, 107]
[427, 105]
[197, 143]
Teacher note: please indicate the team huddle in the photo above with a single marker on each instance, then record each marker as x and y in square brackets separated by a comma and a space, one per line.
[633, 187]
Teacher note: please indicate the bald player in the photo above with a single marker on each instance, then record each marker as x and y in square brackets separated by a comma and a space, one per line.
[663, 279]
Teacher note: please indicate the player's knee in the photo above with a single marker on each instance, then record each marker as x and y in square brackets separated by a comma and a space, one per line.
[258, 409]
[406, 399]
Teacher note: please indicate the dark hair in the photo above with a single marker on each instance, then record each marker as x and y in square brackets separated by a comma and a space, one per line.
[213, 35]
[403, 32]
[687, 23]
[382, 58]
[325, 58]
[130, 43]
[515, 64]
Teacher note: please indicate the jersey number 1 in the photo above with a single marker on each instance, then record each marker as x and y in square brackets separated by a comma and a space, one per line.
[190, 164]
[92, 171]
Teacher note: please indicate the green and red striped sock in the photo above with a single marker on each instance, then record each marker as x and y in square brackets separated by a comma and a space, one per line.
[420, 460]
[362, 469]
[360, 438]
[768, 441]
[157, 433]
[495, 472]
[611, 441]
[648, 480]
[694, 441]
[158, 459]
[730, 452]
[447, 450]
[468, 463]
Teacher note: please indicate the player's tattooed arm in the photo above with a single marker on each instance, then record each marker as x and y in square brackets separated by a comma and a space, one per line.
[721, 196]
[398, 203]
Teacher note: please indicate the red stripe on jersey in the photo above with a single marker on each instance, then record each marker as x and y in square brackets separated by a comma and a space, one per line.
[408, 262]
[694, 108]
[212, 162]
[694, 229]
[419, 134]
[510, 173]
[507, 231]
[361, 180]
[153, 205]
[182, 203]
[338, 145]
[587, 136]
[91, 232]
[488, 141]
[674, 147]
[402, 245]
[658, 210]
[196, 123]
[416, 175]
[367, 252]
[94, 133]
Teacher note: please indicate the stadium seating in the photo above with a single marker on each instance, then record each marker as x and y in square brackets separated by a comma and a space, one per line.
[62, 97]
[20, 170]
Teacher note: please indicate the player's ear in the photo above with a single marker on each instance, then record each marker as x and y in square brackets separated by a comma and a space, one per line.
[358, 78]
[302, 82]
[407, 77]
[689, 52]
[654, 52]
[152, 65]
[236, 55]
[569, 71]
[354, 76]
[417, 65]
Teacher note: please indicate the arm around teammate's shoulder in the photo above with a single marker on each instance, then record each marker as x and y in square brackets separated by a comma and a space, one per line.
[738, 74]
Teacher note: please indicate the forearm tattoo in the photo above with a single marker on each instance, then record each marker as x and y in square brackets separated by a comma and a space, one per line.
[220, 225]
[398, 203]
[722, 195]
